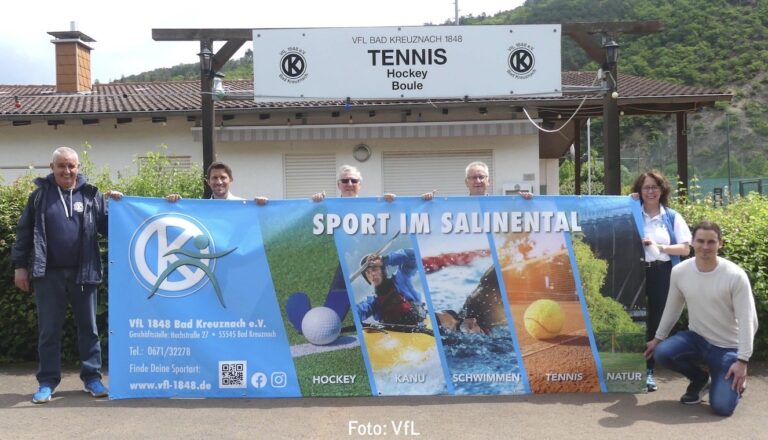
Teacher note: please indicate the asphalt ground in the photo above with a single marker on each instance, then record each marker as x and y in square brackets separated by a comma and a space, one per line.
[74, 414]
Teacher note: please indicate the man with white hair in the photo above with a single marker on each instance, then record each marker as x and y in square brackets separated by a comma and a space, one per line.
[477, 177]
[348, 181]
[57, 247]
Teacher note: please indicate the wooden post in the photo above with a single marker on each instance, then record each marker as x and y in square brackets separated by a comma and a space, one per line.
[611, 145]
[682, 153]
[577, 156]
[207, 119]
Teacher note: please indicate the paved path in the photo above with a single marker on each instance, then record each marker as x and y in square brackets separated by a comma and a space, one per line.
[73, 414]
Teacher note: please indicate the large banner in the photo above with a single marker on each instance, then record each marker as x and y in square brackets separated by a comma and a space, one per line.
[407, 62]
[360, 297]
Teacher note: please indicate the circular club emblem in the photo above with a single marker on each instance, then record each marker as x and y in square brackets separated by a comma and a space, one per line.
[293, 65]
[521, 61]
[161, 241]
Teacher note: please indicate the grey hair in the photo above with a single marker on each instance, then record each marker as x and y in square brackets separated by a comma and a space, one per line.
[64, 151]
[348, 168]
[476, 164]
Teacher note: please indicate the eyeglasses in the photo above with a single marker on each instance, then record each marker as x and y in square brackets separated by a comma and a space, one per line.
[347, 181]
[479, 177]
[650, 188]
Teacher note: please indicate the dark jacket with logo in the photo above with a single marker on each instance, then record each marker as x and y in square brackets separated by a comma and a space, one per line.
[30, 249]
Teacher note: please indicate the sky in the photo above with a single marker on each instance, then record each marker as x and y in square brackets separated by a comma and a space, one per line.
[123, 30]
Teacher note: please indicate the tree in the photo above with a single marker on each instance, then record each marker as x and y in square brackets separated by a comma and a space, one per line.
[568, 171]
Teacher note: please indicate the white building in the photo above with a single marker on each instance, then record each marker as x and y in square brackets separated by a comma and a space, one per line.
[283, 151]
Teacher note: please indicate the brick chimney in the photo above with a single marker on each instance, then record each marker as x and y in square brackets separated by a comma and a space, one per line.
[73, 60]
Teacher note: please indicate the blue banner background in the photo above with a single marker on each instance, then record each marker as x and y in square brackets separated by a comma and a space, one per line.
[187, 340]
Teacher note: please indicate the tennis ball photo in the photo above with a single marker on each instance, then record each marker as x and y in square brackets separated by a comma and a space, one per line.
[544, 319]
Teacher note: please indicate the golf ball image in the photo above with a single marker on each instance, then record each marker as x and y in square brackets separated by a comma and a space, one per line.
[321, 326]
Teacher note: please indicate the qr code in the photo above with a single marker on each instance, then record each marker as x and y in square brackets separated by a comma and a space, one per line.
[232, 374]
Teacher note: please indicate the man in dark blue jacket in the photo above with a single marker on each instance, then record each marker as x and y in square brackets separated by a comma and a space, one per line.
[57, 247]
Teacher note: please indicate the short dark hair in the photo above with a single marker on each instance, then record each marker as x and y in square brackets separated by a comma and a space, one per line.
[707, 225]
[662, 181]
[218, 166]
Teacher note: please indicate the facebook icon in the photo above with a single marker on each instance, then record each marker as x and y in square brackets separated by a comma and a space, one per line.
[259, 380]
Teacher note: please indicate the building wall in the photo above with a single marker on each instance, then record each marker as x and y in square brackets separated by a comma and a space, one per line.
[258, 168]
[113, 145]
[258, 164]
[514, 145]
[549, 176]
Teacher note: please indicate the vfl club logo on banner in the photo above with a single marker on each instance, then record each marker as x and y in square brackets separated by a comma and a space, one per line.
[174, 256]
[521, 61]
[293, 65]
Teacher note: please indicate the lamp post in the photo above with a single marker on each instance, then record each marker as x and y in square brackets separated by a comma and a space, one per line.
[611, 153]
[207, 120]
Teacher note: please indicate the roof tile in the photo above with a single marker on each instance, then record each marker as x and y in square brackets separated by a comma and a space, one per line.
[184, 96]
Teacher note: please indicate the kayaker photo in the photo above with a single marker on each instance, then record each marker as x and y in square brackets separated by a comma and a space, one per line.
[395, 300]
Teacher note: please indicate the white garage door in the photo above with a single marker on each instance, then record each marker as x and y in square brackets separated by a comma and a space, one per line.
[307, 174]
[413, 173]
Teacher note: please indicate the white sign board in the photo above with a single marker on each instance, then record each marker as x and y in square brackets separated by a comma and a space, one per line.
[406, 62]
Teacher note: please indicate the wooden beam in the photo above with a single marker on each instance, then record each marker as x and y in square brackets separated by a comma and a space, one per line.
[201, 34]
[614, 27]
[235, 38]
[583, 33]
[226, 52]
[586, 42]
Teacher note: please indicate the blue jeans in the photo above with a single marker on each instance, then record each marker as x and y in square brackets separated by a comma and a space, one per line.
[52, 292]
[683, 353]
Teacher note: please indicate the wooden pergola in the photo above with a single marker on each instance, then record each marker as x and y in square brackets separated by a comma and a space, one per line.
[602, 101]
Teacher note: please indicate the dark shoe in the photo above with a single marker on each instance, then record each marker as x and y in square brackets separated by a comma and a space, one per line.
[650, 382]
[694, 391]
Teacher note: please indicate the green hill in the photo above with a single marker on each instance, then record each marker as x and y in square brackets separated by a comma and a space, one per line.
[241, 68]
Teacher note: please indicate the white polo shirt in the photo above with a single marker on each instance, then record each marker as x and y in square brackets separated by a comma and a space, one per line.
[229, 196]
[656, 229]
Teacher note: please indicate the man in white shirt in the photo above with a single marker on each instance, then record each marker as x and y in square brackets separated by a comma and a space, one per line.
[478, 180]
[219, 180]
[722, 324]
